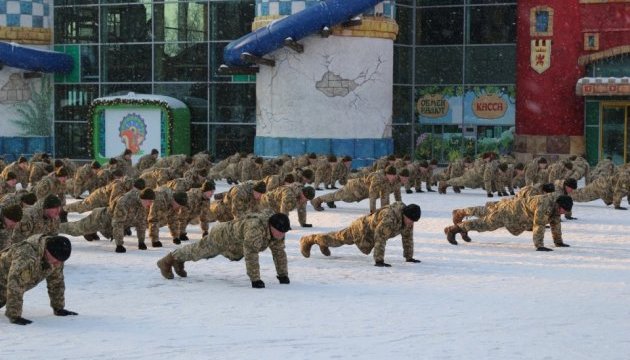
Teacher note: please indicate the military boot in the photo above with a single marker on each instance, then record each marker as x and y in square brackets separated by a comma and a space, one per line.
[317, 204]
[331, 205]
[465, 237]
[450, 232]
[458, 216]
[442, 187]
[166, 266]
[306, 242]
[457, 189]
[178, 266]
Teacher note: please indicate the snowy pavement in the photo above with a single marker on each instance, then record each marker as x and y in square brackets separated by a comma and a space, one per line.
[494, 298]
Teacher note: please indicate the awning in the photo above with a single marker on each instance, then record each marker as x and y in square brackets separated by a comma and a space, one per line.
[603, 86]
[32, 59]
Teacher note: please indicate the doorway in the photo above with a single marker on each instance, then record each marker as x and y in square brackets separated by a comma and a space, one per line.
[614, 132]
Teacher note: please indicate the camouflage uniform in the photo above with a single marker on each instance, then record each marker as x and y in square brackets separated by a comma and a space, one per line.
[34, 222]
[37, 170]
[20, 173]
[373, 186]
[504, 180]
[611, 189]
[249, 169]
[521, 214]
[473, 178]
[84, 179]
[185, 182]
[125, 212]
[145, 162]
[14, 198]
[323, 173]
[340, 172]
[273, 181]
[100, 197]
[198, 207]
[237, 202]
[605, 167]
[285, 198]
[162, 213]
[50, 184]
[98, 220]
[221, 165]
[369, 232]
[155, 177]
[177, 163]
[534, 173]
[22, 267]
[581, 168]
[243, 237]
[6, 188]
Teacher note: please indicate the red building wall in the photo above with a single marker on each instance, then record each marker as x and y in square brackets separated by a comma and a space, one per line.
[546, 103]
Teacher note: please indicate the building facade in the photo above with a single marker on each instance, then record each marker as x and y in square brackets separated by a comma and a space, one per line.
[457, 65]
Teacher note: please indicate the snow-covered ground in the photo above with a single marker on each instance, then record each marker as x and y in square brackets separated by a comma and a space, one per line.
[495, 298]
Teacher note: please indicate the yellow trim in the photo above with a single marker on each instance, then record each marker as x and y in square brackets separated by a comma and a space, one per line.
[532, 21]
[21, 35]
[587, 59]
[371, 26]
[614, 104]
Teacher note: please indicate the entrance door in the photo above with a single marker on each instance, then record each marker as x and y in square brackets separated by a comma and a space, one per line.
[614, 132]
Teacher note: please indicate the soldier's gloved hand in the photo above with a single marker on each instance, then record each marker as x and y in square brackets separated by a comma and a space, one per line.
[183, 236]
[490, 195]
[512, 192]
[205, 233]
[176, 241]
[306, 225]
[20, 321]
[63, 312]
[258, 284]
[283, 279]
[412, 260]
[382, 264]
[570, 217]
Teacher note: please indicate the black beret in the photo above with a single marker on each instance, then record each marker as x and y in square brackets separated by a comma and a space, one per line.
[390, 170]
[139, 184]
[51, 201]
[548, 188]
[208, 185]
[412, 212]
[280, 222]
[565, 202]
[96, 165]
[260, 187]
[404, 173]
[181, 198]
[59, 247]
[308, 192]
[571, 182]
[28, 198]
[12, 212]
[147, 194]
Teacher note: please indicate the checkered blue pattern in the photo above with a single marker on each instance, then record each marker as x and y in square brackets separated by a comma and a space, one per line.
[25, 13]
[288, 7]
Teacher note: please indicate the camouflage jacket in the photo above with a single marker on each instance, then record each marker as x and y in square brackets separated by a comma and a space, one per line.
[198, 206]
[34, 222]
[240, 199]
[161, 213]
[20, 174]
[532, 212]
[246, 237]
[373, 231]
[379, 186]
[285, 198]
[22, 267]
[145, 162]
[50, 184]
[127, 211]
[155, 177]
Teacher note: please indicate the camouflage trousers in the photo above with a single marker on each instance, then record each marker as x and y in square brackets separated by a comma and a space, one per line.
[343, 237]
[87, 204]
[78, 187]
[98, 220]
[464, 181]
[589, 193]
[346, 194]
[220, 212]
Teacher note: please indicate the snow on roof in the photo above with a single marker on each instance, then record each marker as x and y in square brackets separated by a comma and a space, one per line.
[604, 80]
[172, 102]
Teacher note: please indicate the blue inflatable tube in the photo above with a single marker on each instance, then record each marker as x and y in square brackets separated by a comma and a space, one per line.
[313, 19]
[32, 59]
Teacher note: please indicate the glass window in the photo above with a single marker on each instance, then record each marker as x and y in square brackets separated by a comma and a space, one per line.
[181, 62]
[76, 25]
[403, 64]
[124, 89]
[193, 95]
[71, 140]
[234, 102]
[403, 139]
[230, 19]
[72, 101]
[225, 140]
[439, 65]
[402, 111]
[73, 2]
[404, 19]
[181, 21]
[126, 63]
[439, 2]
[491, 64]
[216, 59]
[439, 26]
[89, 63]
[492, 24]
[616, 66]
[489, 2]
[126, 23]
[198, 138]
[542, 21]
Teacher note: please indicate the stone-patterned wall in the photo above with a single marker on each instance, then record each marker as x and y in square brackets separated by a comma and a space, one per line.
[553, 147]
